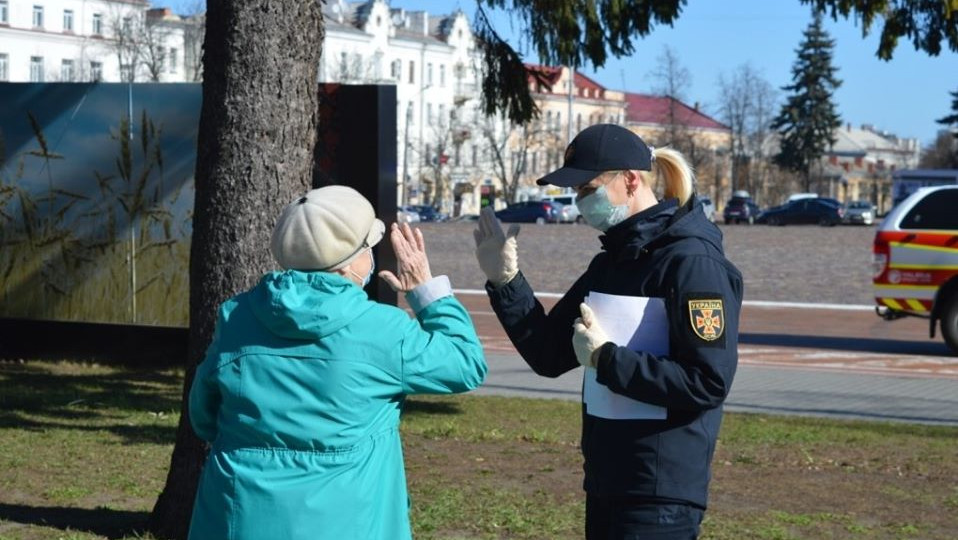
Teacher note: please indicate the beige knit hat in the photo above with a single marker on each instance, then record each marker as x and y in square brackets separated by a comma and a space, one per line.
[325, 230]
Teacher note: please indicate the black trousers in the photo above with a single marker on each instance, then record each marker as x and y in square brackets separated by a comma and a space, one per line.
[614, 518]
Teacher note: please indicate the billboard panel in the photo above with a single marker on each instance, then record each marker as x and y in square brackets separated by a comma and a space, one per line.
[96, 193]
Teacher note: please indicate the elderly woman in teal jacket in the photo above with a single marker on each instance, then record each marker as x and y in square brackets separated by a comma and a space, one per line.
[301, 390]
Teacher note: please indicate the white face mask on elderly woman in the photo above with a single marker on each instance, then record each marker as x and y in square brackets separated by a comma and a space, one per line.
[372, 270]
[599, 212]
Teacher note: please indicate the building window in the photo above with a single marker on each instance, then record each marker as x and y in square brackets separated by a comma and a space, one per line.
[97, 24]
[442, 114]
[4, 70]
[126, 73]
[442, 75]
[36, 69]
[38, 16]
[173, 59]
[411, 113]
[429, 73]
[426, 159]
[578, 122]
[395, 69]
[66, 70]
[67, 20]
[429, 118]
[412, 72]
[4, 12]
[475, 155]
[96, 71]
[558, 120]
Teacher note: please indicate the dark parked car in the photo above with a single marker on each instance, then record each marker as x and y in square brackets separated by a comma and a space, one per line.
[740, 210]
[428, 213]
[826, 212]
[531, 212]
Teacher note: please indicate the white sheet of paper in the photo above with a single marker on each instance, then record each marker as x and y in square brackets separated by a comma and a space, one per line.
[640, 324]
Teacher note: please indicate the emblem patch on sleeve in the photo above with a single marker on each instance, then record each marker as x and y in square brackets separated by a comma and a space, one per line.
[707, 316]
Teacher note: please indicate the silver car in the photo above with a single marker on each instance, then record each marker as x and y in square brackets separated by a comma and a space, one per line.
[859, 213]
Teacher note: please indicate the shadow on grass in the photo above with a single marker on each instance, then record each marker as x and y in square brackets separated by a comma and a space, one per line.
[135, 434]
[412, 407]
[99, 521]
[36, 396]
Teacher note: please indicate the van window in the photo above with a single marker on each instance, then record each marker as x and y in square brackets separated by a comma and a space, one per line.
[935, 211]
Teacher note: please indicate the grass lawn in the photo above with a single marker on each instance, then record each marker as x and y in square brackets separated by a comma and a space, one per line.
[84, 450]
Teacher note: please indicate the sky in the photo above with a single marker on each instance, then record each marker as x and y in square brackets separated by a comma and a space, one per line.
[710, 38]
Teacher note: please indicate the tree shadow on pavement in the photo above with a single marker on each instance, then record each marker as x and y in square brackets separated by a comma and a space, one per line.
[100, 521]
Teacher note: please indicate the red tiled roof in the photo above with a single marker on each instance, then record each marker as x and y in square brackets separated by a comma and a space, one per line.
[585, 87]
[647, 109]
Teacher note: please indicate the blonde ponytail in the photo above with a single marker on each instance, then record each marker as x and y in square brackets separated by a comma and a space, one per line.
[677, 172]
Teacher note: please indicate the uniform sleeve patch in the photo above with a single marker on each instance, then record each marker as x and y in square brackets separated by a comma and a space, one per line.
[707, 317]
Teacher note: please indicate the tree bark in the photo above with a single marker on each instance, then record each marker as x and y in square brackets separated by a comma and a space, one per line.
[255, 151]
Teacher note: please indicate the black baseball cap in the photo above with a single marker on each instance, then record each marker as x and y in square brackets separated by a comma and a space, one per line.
[597, 149]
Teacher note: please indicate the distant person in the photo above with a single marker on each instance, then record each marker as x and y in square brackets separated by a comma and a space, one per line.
[302, 386]
[644, 478]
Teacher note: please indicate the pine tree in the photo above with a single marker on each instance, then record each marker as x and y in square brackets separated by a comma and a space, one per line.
[579, 32]
[952, 119]
[808, 120]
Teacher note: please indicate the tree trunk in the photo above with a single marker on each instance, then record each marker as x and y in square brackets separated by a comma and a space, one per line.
[255, 151]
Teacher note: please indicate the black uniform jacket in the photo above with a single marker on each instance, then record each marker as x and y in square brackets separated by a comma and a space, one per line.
[673, 253]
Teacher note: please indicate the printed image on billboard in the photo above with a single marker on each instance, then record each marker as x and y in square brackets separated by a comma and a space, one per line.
[96, 197]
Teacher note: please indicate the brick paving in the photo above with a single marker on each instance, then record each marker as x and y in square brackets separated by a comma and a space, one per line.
[785, 264]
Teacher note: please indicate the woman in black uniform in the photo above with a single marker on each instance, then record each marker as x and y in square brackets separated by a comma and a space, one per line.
[646, 476]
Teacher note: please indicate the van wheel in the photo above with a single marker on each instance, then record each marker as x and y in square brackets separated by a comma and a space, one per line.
[540, 221]
[579, 219]
[949, 323]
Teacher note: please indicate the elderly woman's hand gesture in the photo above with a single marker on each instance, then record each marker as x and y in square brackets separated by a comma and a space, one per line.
[413, 265]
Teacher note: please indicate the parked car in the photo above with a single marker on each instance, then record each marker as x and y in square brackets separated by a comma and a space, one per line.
[428, 213]
[916, 261]
[407, 214]
[570, 212]
[824, 212]
[531, 212]
[709, 207]
[740, 209]
[859, 212]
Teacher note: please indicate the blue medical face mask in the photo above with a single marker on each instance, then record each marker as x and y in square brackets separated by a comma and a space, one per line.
[599, 212]
[372, 270]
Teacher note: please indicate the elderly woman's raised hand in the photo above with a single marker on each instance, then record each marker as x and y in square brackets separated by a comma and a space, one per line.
[411, 261]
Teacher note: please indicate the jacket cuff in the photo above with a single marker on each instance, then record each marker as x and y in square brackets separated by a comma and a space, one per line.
[604, 362]
[509, 289]
[428, 292]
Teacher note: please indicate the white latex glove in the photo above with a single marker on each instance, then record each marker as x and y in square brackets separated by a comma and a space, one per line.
[497, 252]
[588, 337]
